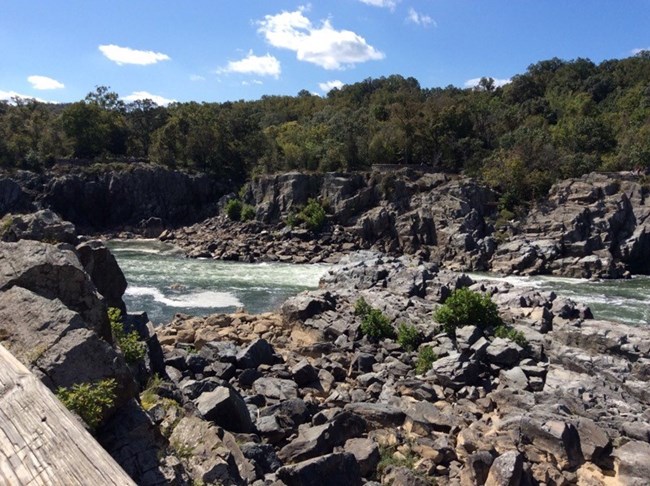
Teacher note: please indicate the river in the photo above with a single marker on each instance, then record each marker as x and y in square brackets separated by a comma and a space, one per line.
[162, 282]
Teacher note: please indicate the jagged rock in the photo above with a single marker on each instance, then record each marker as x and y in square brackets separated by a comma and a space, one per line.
[328, 470]
[594, 442]
[225, 407]
[276, 388]
[54, 274]
[104, 271]
[12, 197]
[633, 463]
[506, 470]
[43, 225]
[403, 476]
[377, 415]
[262, 456]
[424, 418]
[256, 353]
[503, 352]
[304, 373]
[478, 467]
[307, 305]
[321, 439]
[455, 372]
[366, 452]
[555, 437]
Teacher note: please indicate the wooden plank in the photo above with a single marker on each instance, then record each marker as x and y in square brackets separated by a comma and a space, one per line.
[41, 442]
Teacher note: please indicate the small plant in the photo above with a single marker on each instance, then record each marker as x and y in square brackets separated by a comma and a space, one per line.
[313, 215]
[426, 358]
[89, 400]
[388, 457]
[233, 209]
[465, 307]
[507, 332]
[361, 307]
[182, 450]
[247, 212]
[408, 337]
[374, 322]
[149, 396]
[132, 348]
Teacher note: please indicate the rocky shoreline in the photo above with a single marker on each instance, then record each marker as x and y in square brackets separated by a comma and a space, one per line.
[304, 396]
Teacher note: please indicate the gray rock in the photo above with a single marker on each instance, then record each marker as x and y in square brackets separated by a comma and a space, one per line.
[104, 271]
[304, 373]
[594, 442]
[225, 407]
[503, 352]
[262, 456]
[424, 418]
[328, 470]
[366, 452]
[307, 305]
[276, 388]
[54, 274]
[378, 415]
[44, 225]
[506, 470]
[514, 378]
[455, 372]
[633, 461]
[478, 466]
[466, 336]
[256, 353]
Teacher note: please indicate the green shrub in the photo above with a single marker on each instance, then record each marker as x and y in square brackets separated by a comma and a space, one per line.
[426, 358]
[374, 322]
[233, 209]
[507, 332]
[132, 348]
[247, 212]
[313, 215]
[465, 307]
[149, 396]
[89, 400]
[408, 337]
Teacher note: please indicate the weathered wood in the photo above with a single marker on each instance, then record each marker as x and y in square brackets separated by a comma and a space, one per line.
[41, 442]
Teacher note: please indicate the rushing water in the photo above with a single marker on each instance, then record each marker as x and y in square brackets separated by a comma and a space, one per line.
[162, 282]
[615, 300]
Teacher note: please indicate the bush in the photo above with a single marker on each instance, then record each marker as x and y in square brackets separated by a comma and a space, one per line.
[426, 358]
[507, 332]
[313, 215]
[233, 209]
[465, 307]
[374, 323]
[89, 400]
[247, 212]
[132, 348]
[408, 337]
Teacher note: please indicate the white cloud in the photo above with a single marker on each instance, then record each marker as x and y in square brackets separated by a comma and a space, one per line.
[266, 65]
[639, 50]
[473, 83]
[419, 19]
[323, 45]
[126, 55]
[145, 95]
[43, 82]
[330, 85]
[252, 82]
[391, 4]
[8, 95]
[196, 77]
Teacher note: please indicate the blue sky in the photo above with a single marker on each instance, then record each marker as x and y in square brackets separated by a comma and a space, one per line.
[217, 50]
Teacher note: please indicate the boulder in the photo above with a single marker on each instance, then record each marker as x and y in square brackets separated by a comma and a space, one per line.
[104, 271]
[262, 457]
[455, 371]
[506, 470]
[307, 305]
[633, 463]
[366, 452]
[43, 225]
[225, 407]
[256, 353]
[276, 388]
[503, 352]
[377, 415]
[304, 373]
[328, 470]
[54, 274]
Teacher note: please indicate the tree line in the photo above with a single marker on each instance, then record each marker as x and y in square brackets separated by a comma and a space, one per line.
[558, 119]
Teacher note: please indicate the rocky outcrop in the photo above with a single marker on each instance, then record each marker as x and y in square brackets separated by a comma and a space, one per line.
[44, 225]
[104, 272]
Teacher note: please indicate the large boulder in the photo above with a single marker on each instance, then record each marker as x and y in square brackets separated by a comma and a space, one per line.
[225, 407]
[104, 271]
[44, 225]
[329, 470]
[54, 273]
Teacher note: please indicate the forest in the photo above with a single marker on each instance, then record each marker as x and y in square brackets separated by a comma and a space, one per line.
[558, 119]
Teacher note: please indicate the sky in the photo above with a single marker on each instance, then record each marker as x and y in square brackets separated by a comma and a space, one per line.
[218, 50]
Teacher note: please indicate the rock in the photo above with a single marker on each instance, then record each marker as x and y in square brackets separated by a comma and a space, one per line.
[256, 353]
[506, 470]
[104, 271]
[12, 197]
[366, 452]
[503, 352]
[633, 463]
[377, 415]
[478, 467]
[455, 372]
[43, 225]
[466, 336]
[225, 407]
[210, 460]
[594, 442]
[307, 305]
[328, 470]
[403, 476]
[304, 373]
[276, 388]
[424, 418]
[555, 437]
[262, 456]
[513, 378]
[322, 439]
[54, 274]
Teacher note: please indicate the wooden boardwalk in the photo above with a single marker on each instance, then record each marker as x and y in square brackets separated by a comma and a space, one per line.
[41, 442]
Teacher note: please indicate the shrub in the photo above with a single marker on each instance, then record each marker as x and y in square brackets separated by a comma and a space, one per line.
[408, 337]
[313, 215]
[507, 332]
[89, 400]
[132, 348]
[465, 307]
[149, 396]
[374, 322]
[426, 358]
[247, 212]
[233, 209]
